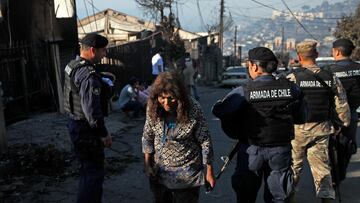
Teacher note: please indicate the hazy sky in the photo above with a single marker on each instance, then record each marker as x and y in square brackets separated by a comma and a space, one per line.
[189, 14]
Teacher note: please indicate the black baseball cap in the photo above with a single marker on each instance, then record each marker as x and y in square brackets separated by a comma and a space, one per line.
[261, 54]
[94, 40]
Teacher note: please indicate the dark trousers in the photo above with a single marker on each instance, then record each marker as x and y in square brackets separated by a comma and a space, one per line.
[274, 164]
[245, 183]
[89, 151]
[91, 182]
[342, 148]
[162, 194]
[350, 131]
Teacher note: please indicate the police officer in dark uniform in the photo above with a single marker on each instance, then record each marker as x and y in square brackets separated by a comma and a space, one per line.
[262, 114]
[83, 98]
[348, 72]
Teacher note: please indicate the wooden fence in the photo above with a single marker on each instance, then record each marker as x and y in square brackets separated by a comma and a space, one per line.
[25, 72]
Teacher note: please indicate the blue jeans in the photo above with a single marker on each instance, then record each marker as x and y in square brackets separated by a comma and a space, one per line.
[274, 163]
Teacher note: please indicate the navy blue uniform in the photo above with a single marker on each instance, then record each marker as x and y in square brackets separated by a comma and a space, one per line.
[83, 103]
[265, 151]
[348, 73]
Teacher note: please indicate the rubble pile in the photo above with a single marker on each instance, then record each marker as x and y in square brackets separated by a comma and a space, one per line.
[117, 165]
[26, 164]
[33, 159]
[32, 170]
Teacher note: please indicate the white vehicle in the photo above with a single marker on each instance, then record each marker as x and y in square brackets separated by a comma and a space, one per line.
[234, 76]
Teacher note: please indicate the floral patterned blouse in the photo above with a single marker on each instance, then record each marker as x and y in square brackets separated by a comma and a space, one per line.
[183, 154]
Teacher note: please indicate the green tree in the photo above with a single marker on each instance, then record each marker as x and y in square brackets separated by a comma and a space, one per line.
[349, 27]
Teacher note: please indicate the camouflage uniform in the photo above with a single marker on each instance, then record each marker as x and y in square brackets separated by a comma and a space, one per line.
[311, 140]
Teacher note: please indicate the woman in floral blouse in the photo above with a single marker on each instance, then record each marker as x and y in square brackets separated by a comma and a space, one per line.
[176, 142]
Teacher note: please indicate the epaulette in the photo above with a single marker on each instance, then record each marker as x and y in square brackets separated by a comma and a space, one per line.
[91, 69]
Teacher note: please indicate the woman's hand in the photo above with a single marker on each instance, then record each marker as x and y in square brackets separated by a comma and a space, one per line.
[149, 171]
[210, 176]
[107, 141]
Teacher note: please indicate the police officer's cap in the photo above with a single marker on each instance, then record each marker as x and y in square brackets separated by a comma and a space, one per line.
[94, 40]
[306, 47]
[346, 43]
[261, 54]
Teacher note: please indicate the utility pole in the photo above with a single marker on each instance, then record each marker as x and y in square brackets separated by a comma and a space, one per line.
[240, 53]
[221, 30]
[282, 40]
[235, 46]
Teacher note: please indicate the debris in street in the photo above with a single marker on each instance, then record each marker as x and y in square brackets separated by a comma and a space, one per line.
[25, 165]
[116, 165]
[33, 159]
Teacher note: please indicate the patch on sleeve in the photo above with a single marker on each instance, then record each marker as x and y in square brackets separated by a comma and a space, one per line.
[96, 91]
[68, 70]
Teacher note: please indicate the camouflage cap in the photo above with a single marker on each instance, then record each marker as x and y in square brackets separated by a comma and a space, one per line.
[306, 47]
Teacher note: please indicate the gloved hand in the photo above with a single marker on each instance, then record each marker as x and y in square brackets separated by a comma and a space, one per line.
[107, 81]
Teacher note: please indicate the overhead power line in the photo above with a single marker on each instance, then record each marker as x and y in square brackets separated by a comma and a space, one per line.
[93, 8]
[239, 13]
[81, 24]
[303, 27]
[267, 6]
[201, 17]
[87, 13]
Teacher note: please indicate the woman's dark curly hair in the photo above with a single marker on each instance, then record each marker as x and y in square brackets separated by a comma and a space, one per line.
[169, 82]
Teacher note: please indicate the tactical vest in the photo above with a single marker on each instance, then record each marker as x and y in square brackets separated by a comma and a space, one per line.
[270, 116]
[316, 95]
[349, 76]
[72, 100]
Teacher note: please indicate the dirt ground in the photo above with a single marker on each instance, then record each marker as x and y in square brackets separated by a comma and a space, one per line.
[40, 158]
